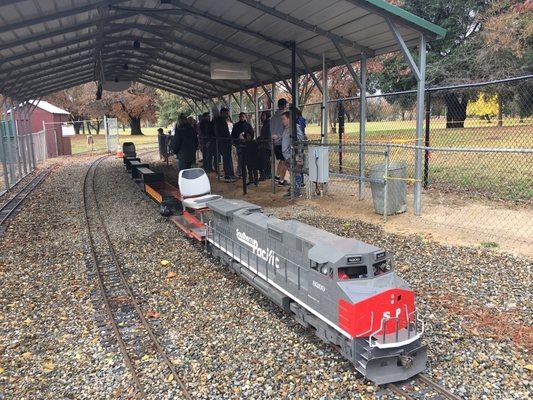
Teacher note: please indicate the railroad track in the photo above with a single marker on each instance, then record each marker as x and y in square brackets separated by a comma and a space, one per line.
[8, 209]
[422, 387]
[132, 332]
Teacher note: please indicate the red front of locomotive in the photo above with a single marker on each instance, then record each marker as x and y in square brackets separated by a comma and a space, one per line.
[387, 312]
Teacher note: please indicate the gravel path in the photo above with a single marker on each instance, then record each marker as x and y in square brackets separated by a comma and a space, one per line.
[50, 346]
[226, 339]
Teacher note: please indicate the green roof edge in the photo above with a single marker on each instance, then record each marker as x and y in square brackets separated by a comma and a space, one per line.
[402, 14]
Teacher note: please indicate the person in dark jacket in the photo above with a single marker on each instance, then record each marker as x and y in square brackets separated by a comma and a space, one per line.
[251, 149]
[223, 138]
[264, 147]
[207, 143]
[240, 129]
[185, 144]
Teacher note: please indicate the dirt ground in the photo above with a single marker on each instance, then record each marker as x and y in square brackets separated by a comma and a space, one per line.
[446, 218]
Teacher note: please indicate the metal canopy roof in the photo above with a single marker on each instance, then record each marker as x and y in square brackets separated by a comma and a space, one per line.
[50, 45]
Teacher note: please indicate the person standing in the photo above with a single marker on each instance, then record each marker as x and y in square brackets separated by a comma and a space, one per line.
[264, 149]
[288, 152]
[276, 133]
[162, 141]
[206, 142]
[185, 144]
[240, 129]
[223, 137]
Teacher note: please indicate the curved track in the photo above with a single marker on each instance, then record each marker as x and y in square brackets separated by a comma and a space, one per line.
[7, 209]
[422, 386]
[132, 331]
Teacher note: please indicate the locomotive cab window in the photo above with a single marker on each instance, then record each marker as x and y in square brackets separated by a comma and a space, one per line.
[357, 272]
[320, 267]
[382, 267]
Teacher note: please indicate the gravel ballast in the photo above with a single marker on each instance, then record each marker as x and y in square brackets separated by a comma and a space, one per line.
[50, 346]
[226, 339]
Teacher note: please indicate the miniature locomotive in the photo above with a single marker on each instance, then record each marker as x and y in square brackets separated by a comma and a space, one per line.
[344, 289]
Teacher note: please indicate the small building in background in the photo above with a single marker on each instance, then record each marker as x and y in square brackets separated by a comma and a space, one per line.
[47, 114]
[55, 122]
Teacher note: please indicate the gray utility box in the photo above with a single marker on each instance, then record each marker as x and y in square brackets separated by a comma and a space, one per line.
[396, 188]
[318, 164]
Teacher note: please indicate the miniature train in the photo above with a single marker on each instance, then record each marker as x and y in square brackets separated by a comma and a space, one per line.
[345, 290]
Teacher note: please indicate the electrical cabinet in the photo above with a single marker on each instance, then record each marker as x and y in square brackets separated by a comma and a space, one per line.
[318, 164]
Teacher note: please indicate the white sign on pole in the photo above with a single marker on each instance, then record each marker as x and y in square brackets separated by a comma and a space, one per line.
[67, 130]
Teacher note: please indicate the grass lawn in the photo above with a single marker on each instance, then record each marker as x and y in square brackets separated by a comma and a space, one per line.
[488, 175]
[477, 133]
[79, 142]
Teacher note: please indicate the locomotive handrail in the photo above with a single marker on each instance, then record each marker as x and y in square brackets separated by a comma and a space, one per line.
[373, 340]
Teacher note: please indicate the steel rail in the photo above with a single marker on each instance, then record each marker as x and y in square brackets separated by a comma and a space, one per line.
[399, 391]
[429, 382]
[438, 387]
[8, 208]
[111, 251]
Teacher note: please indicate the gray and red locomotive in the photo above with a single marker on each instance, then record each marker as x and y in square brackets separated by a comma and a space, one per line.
[345, 290]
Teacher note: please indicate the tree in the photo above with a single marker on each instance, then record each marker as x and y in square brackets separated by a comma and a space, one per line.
[169, 107]
[135, 104]
[449, 60]
[77, 101]
[396, 76]
[507, 50]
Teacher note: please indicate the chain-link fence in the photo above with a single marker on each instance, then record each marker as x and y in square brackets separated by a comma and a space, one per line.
[477, 152]
[20, 153]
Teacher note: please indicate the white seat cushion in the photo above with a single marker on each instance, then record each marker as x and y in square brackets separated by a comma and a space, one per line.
[199, 202]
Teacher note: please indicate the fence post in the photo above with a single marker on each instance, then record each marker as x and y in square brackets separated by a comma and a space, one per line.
[217, 159]
[325, 108]
[4, 155]
[421, 86]
[427, 140]
[341, 131]
[106, 131]
[29, 112]
[362, 126]
[242, 149]
[14, 140]
[22, 146]
[32, 152]
[386, 184]
[272, 166]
